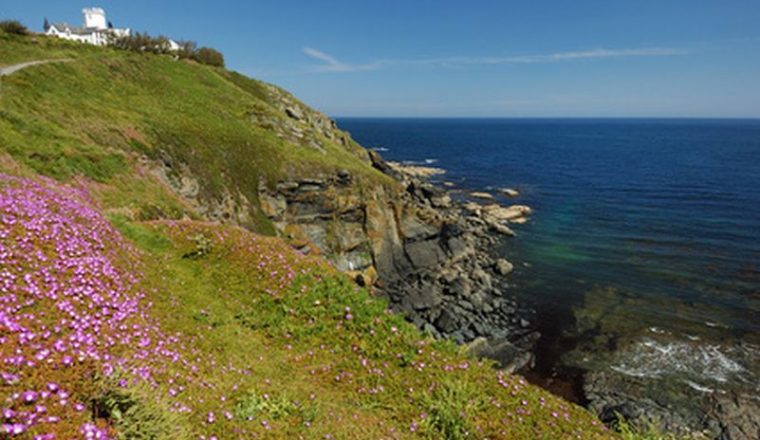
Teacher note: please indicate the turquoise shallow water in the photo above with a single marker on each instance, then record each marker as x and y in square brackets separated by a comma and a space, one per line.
[644, 230]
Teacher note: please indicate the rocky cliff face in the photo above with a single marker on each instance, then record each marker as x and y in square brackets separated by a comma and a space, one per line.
[406, 239]
[428, 255]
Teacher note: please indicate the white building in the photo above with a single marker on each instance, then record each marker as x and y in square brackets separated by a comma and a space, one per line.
[96, 30]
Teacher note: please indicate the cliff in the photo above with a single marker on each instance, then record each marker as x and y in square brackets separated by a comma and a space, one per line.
[185, 320]
[169, 139]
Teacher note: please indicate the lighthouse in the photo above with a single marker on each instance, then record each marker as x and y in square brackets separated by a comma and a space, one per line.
[94, 18]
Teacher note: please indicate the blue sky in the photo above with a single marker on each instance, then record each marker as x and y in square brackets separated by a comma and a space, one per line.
[477, 58]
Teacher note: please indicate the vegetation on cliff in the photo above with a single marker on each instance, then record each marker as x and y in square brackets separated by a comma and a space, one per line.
[123, 313]
[188, 329]
[101, 114]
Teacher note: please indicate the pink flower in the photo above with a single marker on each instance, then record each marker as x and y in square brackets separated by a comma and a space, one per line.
[29, 396]
[14, 428]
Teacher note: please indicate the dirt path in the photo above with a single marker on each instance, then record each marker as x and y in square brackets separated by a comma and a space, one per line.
[7, 70]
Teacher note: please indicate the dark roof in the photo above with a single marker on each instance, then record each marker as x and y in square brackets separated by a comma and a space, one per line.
[77, 30]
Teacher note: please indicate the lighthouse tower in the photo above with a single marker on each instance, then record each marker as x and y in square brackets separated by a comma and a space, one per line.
[94, 18]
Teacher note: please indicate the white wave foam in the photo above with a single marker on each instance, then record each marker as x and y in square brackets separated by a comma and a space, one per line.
[650, 358]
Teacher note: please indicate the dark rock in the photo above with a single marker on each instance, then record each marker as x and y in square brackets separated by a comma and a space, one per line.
[308, 211]
[294, 113]
[482, 278]
[479, 299]
[738, 416]
[429, 329]
[451, 230]
[463, 303]
[446, 322]
[458, 249]
[415, 229]
[468, 334]
[379, 163]
[448, 276]
[460, 287]
[425, 297]
[425, 254]
[510, 357]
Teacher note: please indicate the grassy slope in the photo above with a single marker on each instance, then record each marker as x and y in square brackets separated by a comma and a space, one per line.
[95, 116]
[270, 328]
[372, 371]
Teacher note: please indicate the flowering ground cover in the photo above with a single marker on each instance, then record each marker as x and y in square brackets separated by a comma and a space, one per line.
[186, 329]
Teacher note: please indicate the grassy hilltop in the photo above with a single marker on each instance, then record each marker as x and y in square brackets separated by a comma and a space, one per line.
[124, 314]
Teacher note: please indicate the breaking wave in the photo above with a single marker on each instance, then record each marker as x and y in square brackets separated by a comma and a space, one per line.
[694, 363]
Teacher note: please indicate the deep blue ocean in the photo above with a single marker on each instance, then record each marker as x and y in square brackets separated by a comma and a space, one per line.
[644, 229]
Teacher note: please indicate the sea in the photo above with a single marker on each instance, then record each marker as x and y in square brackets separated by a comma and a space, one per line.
[642, 256]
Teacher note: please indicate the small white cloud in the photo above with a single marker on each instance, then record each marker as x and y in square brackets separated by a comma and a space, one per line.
[596, 53]
[332, 64]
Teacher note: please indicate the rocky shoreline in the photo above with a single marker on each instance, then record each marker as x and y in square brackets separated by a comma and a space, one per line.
[434, 255]
[429, 255]
[455, 286]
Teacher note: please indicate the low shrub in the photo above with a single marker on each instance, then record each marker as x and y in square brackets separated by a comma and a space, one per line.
[207, 55]
[14, 27]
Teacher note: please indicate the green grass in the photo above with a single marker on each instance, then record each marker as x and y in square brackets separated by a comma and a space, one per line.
[98, 115]
[16, 49]
[288, 346]
[250, 302]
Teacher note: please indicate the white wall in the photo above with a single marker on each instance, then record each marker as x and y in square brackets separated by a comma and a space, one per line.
[94, 18]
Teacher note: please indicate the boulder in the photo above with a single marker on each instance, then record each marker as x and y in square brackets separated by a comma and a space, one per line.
[443, 201]
[473, 208]
[481, 195]
[503, 267]
[502, 213]
[510, 192]
[425, 254]
[481, 277]
[415, 229]
[501, 229]
[460, 287]
[459, 249]
[446, 322]
[451, 229]
[425, 297]
[510, 357]
[479, 299]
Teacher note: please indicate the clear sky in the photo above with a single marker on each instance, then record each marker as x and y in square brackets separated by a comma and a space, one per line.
[470, 58]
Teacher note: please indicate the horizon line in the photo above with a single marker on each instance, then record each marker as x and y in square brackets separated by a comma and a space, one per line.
[740, 118]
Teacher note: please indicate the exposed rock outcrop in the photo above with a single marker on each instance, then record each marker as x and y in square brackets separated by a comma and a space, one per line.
[428, 255]
[406, 238]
